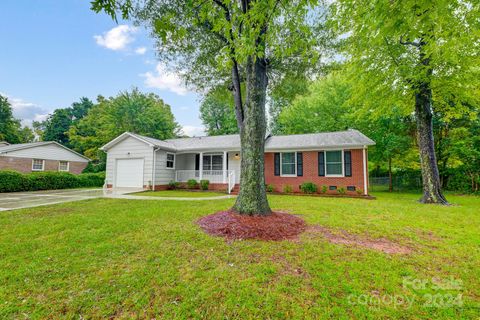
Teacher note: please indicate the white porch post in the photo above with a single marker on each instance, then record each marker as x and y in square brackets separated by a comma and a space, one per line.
[201, 166]
[224, 166]
[365, 172]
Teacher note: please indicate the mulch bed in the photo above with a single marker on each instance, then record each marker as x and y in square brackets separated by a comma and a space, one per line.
[233, 226]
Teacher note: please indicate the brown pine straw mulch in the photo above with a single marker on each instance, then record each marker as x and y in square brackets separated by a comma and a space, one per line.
[283, 226]
[233, 226]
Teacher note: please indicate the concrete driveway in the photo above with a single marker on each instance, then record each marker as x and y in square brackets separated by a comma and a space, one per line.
[19, 200]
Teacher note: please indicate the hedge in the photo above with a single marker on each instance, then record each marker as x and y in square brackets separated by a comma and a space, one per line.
[11, 181]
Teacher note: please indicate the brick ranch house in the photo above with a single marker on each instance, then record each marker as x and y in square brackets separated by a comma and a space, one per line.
[332, 159]
[41, 156]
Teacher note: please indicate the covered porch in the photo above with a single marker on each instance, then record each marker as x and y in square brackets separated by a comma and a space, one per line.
[217, 167]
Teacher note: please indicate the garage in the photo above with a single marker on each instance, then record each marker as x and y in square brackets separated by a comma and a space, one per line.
[129, 173]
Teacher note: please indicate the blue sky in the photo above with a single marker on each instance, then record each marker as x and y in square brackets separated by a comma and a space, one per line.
[56, 51]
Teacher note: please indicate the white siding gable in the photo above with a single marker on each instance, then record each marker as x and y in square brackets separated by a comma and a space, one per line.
[130, 148]
[47, 152]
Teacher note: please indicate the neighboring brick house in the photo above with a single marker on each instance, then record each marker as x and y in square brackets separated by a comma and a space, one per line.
[41, 156]
[331, 159]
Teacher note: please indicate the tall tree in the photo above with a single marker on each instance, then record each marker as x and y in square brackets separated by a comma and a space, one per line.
[424, 52]
[133, 111]
[11, 129]
[243, 39]
[217, 112]
[325, 107]
[391, 134]
[56, 126]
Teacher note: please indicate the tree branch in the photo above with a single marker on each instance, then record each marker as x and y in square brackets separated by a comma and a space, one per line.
[411, 43]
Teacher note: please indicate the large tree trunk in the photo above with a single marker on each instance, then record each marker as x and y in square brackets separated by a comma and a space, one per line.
[432, 192]
[252, 199]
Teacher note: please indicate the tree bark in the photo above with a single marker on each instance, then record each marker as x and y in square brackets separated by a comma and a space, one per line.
[252, 199]
[432, 192]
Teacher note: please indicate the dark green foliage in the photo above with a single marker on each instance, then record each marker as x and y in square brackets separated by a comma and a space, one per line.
[13, 181]
[192, 184]
[217, 112]
[324, 189]
[56, 127]
[172, 185]
[95, 167]
[308, 187]
[10, 128]
[204, 184]
[270, 188]
[341, 190]
[133, 111]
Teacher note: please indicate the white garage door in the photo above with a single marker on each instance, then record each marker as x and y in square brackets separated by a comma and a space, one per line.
[129, 173]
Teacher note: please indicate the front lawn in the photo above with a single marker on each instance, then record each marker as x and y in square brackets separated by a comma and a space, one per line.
[181, 194]
[117, 258]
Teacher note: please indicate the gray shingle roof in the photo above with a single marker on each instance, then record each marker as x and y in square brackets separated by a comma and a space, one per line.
[227, 142]
[339, 139]
[345, 139]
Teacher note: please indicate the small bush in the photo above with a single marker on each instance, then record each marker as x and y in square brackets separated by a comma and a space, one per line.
[341, 190]
[270, 188]
[324, 189]
[192, 184]
[359, 191]
[308, 187]
[12, 181]
[287, 188]
[172, 185]
[204, 184]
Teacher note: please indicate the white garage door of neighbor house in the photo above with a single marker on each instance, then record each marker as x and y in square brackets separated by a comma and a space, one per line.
[129, 173]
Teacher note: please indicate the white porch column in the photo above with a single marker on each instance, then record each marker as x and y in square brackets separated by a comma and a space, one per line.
[365, 172]
[224, 166]
[201, 166]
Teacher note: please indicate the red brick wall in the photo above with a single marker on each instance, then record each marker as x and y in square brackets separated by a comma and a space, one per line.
[310, 173]
[25, 165]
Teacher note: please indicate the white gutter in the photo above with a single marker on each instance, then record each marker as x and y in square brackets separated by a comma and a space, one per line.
[365, 171]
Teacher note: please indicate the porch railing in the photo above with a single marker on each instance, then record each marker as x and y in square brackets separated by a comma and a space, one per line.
[214, 176]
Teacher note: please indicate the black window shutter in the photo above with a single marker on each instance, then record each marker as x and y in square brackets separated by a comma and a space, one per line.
[197, 162]
[299, 164]
[348, 163]
[277, 164]
[321, 164]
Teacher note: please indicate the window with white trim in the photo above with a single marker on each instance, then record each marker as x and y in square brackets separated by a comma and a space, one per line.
[334, 163]
[63, 166]
[170, 160]
[212, 162]
[288, 164]
[38, 165]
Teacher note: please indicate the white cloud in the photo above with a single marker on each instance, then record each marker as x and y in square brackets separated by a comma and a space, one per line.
[26, 111]
[116, 38]
[140, 50]
[184, 108]
[193, 131]
[164, 80]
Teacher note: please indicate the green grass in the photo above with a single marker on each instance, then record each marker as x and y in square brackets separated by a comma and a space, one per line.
[181, 194]
[113, 258]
